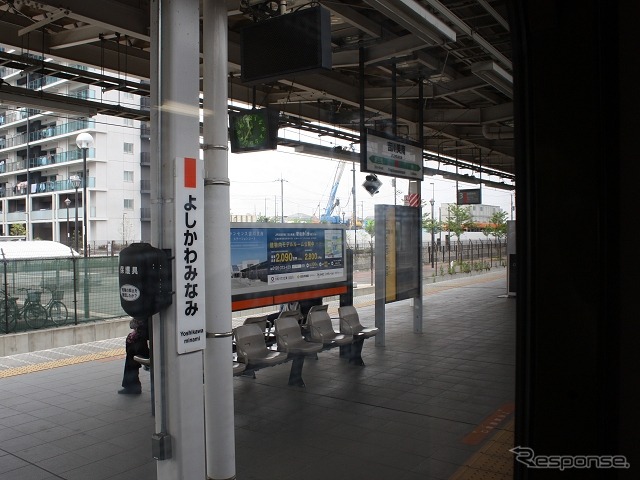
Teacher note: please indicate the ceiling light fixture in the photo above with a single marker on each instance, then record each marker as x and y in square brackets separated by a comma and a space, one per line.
[494, 75]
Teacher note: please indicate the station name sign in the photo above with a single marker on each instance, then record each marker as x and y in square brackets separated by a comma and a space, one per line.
[392, 156]
[189, 258]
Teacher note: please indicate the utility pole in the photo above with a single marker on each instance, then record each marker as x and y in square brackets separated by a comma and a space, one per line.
[281, 180]
[512, 207]
[355, 213]
[395, 191]
[433, 233]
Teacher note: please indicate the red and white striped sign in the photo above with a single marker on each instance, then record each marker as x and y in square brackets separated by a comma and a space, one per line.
[412, 200]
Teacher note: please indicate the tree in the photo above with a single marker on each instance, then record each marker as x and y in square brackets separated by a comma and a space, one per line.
[459, 220]
[126, 230]
[428, 223]
[497, 225]
[18, 230]
[264, 219]
[370, 228]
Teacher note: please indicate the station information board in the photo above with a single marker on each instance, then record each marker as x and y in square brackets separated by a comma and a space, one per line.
[470, 196]
[282, 256]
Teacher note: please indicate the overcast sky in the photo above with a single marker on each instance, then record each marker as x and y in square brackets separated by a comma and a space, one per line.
[256, 186]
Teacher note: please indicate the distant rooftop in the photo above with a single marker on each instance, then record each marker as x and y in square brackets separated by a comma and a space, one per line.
[16, 250]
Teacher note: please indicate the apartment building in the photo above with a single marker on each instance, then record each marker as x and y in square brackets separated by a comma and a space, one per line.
[480, 214]
[42, 179]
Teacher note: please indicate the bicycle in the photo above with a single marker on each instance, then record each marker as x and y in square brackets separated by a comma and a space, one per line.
[34, 314]
[8, 312]
[57, 311]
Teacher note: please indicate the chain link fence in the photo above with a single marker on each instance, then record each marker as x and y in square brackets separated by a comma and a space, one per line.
[451, 257]
[50, 292]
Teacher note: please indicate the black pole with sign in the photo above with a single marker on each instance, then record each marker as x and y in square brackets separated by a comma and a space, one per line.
[347, 298]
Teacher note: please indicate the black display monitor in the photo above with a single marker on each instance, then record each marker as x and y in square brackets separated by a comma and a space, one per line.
[286, 46]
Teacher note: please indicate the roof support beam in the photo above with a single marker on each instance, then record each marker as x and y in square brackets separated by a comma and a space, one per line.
[471, 116]
[416, 19]
[45, 101]
[78, 36]
[467, 30]
[354, 18]
[49, 18]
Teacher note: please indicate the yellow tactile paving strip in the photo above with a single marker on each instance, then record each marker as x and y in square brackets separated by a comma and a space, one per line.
[63, 362]
[493, 461]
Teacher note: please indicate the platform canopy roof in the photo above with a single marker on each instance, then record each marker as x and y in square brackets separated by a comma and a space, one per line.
[459, 50]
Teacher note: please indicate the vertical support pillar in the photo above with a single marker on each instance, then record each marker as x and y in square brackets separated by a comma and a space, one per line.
[219, 410]
[178, 395]
[347, 298]
[416, 186]
[363, 141]
[381, 275]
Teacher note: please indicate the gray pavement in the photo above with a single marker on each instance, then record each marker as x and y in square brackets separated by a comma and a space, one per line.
[413, 412]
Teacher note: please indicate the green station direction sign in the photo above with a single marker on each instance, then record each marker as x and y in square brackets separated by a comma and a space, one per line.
[392, 156]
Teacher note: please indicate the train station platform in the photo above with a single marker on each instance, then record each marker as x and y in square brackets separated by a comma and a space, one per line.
[436, 405]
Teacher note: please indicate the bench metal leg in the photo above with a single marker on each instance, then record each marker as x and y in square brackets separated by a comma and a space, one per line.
[295, 375]
[355, 356]
[345, 351]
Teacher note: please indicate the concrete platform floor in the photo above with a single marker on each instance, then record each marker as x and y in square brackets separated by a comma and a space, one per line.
[436, 405]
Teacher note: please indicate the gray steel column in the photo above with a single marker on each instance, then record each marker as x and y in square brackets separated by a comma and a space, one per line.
[415, 187]
[175, 87]
[219, 410]
[417, 304]
[381, 271]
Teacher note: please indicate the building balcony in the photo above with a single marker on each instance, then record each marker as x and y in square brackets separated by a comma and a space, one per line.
[61, 157]
[45, 214]
[45, 133]
[22, 188]
[41, 214]
[8, 71]
[45, 160]
[145, 158]
[84, 94]
[39, 83]
[16, 217]
[17, 115]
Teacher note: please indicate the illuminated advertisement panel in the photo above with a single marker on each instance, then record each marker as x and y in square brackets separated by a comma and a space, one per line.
[285, 256]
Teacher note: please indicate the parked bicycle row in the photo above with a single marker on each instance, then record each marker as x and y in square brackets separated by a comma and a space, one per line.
[28, 307]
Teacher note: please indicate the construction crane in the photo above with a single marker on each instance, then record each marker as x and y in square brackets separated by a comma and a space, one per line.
[333, 202]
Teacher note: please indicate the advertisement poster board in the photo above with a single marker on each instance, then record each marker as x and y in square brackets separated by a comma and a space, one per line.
[397, 236]
[268, 258]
